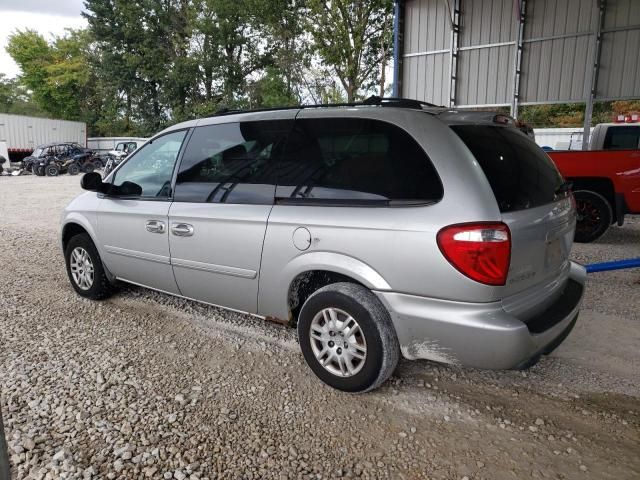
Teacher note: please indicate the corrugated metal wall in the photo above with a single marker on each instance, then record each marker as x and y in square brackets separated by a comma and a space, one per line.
[26, 133]
[426, 48]
[557, 56]
[620, 57]
[485, 22]
[558, 69]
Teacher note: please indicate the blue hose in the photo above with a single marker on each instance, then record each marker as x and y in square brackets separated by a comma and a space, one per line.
[618, 265]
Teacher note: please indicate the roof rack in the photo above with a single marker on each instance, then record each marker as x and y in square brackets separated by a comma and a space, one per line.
[374, 100]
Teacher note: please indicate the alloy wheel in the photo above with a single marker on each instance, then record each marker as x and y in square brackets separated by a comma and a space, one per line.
[81, 268]
[338, 342]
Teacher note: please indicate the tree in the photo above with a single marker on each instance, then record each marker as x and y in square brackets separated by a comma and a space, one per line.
[15, 99]
[57, 74]
[353, 38]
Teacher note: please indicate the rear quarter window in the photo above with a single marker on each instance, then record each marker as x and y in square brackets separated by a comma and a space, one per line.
[621, 138]
[521, 175]
[355, 161]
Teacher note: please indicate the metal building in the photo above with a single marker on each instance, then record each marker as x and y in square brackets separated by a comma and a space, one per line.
[476, 53]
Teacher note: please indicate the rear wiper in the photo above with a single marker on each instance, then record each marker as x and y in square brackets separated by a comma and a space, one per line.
[565, 187]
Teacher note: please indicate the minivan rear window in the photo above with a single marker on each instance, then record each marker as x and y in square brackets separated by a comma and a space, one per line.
[521, 175]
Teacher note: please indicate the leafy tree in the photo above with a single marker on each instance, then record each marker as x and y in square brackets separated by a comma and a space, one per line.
[32, 54]
[15, 99]
[57, 74]
[272, 90]
[290, 54]
[353, 38]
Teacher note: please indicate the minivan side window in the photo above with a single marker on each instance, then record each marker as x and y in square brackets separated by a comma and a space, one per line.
[355, 161]
[232, 163]
[151, 168]
[621, 138]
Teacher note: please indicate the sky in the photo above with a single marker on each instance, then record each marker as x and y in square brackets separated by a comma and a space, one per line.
[48, 17]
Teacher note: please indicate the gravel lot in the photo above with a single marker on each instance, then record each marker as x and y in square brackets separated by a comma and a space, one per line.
[144, 385]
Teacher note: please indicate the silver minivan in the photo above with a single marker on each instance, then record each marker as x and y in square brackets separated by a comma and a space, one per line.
[381, 230]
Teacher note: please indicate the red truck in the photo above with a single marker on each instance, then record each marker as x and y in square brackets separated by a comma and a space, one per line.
[605, 178]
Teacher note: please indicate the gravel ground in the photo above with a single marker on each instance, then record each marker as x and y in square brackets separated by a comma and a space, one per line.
[144, 385]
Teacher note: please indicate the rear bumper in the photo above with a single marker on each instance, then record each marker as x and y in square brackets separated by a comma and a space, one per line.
[482, 335]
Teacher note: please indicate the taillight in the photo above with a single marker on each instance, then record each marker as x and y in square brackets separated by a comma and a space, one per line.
[481, 251]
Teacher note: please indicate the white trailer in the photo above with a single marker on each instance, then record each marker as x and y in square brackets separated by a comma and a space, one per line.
[23, 134]
[103, 145]
[559, 138]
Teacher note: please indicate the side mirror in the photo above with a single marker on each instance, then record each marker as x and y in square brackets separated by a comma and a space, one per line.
[93, 182]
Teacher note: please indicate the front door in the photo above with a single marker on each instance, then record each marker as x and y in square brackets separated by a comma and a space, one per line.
[224, 193]
[133, 219]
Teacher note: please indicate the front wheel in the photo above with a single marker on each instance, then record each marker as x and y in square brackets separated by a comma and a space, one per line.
[594, 216]
[85, 270]
[347, 337]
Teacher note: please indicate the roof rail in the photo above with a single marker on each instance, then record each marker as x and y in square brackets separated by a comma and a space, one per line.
[374, 100]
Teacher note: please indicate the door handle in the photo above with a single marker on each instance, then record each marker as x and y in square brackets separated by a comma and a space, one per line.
[155, 226]
[182, 229]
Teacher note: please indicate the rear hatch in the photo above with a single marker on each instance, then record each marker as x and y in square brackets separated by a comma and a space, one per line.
[534, 203]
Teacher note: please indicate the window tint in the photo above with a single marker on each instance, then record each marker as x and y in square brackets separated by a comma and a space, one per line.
[151, 168]
[521, 175]
[622, 138]
[232, 162]
[351, 160]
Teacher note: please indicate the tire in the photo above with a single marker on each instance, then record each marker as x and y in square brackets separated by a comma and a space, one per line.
[594, 216]
[38, 170]
[376, 333]
[97, 163]
[88, 167]
[73, 169]
[52, 170]
[99, 287]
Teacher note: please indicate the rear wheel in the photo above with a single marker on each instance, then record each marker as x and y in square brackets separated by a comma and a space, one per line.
[347, 337]
[52, 170]
[97, 163]
[88, 167]
[594, 215]
[73, 169]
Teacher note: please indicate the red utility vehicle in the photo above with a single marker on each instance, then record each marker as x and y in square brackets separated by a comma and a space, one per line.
[606, 178]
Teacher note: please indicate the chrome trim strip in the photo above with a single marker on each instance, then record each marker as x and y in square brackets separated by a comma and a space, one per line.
[212, 268]
[124, 252]
[179, 295]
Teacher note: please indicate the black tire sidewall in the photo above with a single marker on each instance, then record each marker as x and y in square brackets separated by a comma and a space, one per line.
[73, 169]
[97, 288]
[373, 361]
[604, 210]
[51, 168]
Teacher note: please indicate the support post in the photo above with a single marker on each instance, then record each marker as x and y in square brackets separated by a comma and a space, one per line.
[397, 48]
[453, 51]
[597, 47]
[517, 58]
